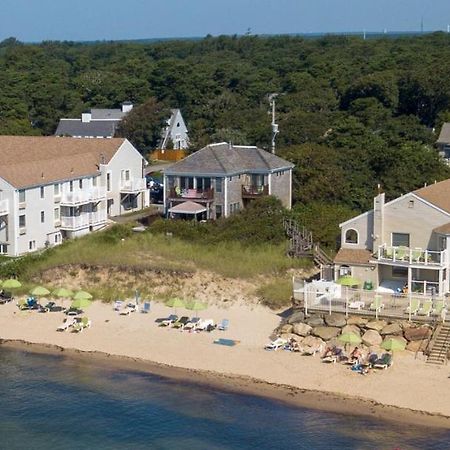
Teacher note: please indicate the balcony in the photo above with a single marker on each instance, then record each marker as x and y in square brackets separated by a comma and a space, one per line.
[133, 186]
[4, 207]
[98, 217]
[82, 197]
[191, 194]
[255, 191]
[72, 223]
[412, 256]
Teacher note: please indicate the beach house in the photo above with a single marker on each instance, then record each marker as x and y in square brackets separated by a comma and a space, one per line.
[443, 142]
[95, 123]
[222, 178]
[56, 188]
[175, 134]
[400, 245]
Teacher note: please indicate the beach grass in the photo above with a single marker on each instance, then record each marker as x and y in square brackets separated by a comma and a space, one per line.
[276, 293]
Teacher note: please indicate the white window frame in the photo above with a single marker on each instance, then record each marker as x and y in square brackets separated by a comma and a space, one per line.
[357, 236]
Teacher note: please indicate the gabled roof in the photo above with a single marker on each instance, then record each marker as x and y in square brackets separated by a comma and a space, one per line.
[94, 128]
[438, 194]
[352, 256]
[226, 159]
[444, 135]
[188, 207]
[27, 161]
[443, 229]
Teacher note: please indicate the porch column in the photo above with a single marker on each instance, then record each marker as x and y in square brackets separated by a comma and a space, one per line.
[269, 182]
[441, 283]
[409, 279]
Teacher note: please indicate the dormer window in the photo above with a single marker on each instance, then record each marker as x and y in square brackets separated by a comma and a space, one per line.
[411, 204]
[351, 236]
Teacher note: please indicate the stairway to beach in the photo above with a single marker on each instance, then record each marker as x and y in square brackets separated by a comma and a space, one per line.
[441, 346]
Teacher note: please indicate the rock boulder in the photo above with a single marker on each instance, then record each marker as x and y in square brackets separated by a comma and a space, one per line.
[372, 338]
[335, 320]
[351, 329]
[326, 333]
[302, 329]
[357, 320]
[392, 328]
[315, 321]
[417, 346]
[417, 334]
[312, 342]
[376, 325]
[286, 328]
[298, 316]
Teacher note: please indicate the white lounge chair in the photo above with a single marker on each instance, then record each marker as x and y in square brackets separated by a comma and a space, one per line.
[84, 322]
[66, 324]
[204, 324]
[131, 307]
[276, 344]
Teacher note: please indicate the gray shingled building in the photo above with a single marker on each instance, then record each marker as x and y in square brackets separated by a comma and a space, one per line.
[443, 141]
[220, 179]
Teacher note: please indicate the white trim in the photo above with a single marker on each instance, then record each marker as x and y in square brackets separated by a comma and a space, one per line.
[357, 236]
[269, 182]
[356, 217]
[290, 189]
[225, 197]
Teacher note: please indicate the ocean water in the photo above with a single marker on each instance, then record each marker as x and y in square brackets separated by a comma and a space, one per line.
[54, 402]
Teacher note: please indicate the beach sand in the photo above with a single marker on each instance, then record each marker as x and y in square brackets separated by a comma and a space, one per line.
[409, 391]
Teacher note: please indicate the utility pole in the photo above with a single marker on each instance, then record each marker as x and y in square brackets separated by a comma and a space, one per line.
[275, 130]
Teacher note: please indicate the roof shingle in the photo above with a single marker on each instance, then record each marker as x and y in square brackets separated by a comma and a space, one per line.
[352, 256]
[438, 194]
[94, 128]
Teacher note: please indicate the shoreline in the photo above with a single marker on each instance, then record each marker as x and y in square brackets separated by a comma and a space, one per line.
[326, 401]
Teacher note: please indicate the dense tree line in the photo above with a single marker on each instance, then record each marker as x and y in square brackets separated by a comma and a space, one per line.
[353, 114]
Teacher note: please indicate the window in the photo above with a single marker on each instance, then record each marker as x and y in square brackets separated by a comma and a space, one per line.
[42, 216]
[399, 272]
[80, 184]
[32, 245]
[94, 181]
[411, 204]
[219, 211]
[108, 181]
[22, 196]
[400, 239]
[3, 249]
[345, 270]
[351, 236]
[71, 186]
[22, 221]
[56, 214]
[42, 192]
[219, 185]
[56, 190]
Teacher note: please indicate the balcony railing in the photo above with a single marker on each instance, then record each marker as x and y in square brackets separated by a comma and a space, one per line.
[82, 197]
[192, 194]
[4, 207]
[416, 256]
[98, 217]
[75, 222]
[255, 191]
[135, 185]
[425, 287]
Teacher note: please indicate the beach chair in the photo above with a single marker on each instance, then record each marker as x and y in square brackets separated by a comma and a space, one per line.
[181, 322]
[426, 308]
[66, 324]
[384, 362]
[401, 253]
[414, 306]
[80, 325]
[73, 311]
[146, 308]
[190, 326]
[118, 305]
[130, 308]
[5, 297]
[377, 304]
[223, 326]
[417, 255]
[276, 344]
[167, 321]
[205, 325]
[23, 305]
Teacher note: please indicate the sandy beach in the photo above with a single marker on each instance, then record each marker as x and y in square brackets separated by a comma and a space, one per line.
[409, 391]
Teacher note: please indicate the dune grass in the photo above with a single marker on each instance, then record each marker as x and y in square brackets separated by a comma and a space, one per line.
[277, 293]
[157, 251]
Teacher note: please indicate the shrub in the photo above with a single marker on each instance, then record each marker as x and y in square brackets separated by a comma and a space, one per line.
[276, 294]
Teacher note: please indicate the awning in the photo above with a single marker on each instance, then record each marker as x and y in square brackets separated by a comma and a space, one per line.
[187, 208]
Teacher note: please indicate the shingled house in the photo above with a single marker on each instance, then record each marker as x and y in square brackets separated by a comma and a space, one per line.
[443, 142]
[220, 179]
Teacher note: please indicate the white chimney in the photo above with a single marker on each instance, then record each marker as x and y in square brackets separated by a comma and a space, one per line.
[127, 107]
[86, 117]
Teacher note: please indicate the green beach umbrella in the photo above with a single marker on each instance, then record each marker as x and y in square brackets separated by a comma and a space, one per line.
[348, 280]
[82, 295]
[195, 305]
[175, 303]
[349, 338]
[81, 303]
[393, 344]
[39, 291]
[12, 283]
[62, 293]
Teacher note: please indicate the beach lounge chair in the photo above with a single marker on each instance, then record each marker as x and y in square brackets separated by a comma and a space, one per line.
[22, 304]
[130, 308]
[384, 362]
[426, 308]
[32, 303]
[413, 307]
[276, 344]
[181, 322]
[51, 307]
[417, 255]
[223, 326]
[401, 253]
[5, 297]
[190, 326]
[165, 322]
[377, 304]
[80, 325]
[205, 325]
[118, 305]
[439, 306]
[66, 324]
[146, 308]
[73, 311]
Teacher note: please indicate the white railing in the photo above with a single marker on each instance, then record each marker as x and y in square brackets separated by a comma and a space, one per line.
[424, 287]
[4, 207]
[133, 185]
[412, 255]
[81, 197]
[75, 222]
[98, 217]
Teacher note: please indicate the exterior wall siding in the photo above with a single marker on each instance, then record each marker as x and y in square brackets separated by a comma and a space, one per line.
[364, 227]
[280, 186]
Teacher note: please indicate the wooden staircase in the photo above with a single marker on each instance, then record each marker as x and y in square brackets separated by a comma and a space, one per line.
[301, 244]
[441, 345]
